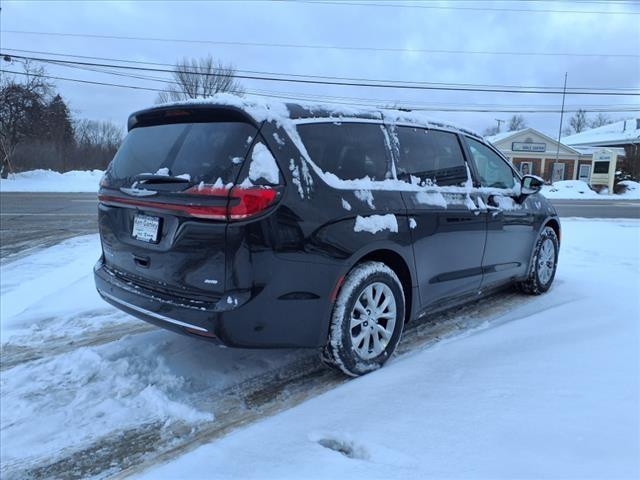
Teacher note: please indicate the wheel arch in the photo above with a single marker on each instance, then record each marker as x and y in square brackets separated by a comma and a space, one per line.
[552, 222]
[555, 224]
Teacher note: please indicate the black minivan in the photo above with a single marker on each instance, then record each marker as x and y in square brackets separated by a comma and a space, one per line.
[262, 225]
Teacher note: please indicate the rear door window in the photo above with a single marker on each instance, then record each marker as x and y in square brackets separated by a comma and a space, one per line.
[205, 152]
[430, 155]
[348, 150]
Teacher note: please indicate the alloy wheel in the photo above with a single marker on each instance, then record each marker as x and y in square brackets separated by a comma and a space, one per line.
[546, 261]
[373, 320]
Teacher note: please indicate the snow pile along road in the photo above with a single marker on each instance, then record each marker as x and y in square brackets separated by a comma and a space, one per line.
[579, 190]
[51, 181]
[553, 393]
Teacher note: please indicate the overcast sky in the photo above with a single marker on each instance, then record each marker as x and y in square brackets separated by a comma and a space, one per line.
[469, 26]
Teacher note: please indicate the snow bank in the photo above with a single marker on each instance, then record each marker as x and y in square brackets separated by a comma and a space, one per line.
[50, 181]
[43, 277]
[140, 387]
[569, 189]
[552, 392]
[632, 189]
[577, 189]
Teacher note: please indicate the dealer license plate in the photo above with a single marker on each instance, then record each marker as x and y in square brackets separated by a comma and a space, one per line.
[146, 228]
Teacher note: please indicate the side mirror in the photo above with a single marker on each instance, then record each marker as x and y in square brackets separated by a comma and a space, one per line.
[531, 184]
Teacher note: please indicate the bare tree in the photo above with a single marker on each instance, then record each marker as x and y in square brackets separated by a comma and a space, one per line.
[98, 133]
[579, 121]
[489, 131]
[600, 120]
[516, 122]
[200, 78]
[21, 108]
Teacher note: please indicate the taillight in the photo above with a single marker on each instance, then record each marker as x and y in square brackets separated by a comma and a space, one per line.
[250, 201]
[241, 203]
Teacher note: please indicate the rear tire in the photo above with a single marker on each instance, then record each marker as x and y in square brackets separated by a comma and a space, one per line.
[543, 266]
[367, 320]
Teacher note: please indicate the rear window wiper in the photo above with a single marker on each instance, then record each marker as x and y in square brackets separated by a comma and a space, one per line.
[149, 178]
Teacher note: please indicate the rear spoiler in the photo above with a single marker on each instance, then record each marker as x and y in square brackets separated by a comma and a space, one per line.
[189, 113]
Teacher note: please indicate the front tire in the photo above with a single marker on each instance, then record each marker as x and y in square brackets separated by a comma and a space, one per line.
[367, 320]
[543, 265]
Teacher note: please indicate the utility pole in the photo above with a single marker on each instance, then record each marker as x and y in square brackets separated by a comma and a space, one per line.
[564, 92]
[499, 122]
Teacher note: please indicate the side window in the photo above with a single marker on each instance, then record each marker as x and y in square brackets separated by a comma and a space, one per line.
[348, 150]
[430, 155]
[493, 170]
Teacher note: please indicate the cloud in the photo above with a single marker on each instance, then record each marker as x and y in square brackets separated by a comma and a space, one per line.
[347, 25]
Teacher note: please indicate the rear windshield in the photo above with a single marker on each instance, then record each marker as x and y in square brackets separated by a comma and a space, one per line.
[205, 152]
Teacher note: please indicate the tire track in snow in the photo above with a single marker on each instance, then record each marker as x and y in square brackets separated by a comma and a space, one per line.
[123, 453]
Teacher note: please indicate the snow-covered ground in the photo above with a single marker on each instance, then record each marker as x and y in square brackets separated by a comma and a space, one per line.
[548, 387]
[51, 181]
[554, 393]
[579, 190]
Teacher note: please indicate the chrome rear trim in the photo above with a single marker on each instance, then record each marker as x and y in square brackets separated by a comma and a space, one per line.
[150, 313]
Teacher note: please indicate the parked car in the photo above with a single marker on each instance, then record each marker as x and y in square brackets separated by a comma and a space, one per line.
[263, 226]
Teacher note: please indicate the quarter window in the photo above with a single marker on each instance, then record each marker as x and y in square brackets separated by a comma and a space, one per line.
[430, 155]
[494, 172]
[348, 150]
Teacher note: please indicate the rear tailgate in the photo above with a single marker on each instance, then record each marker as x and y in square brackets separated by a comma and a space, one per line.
[163, 201]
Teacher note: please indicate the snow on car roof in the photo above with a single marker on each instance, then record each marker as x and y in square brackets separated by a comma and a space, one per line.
[261, 109]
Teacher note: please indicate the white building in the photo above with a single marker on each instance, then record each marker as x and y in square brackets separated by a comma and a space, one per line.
[533, 152]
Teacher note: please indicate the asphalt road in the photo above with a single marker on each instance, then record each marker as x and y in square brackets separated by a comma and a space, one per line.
[34, 220]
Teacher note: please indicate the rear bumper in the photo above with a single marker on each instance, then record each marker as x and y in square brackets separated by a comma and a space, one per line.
[247, 319]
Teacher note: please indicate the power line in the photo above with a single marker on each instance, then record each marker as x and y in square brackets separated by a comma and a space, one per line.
[324, 47]
[334, 98]
[340, 82]
[419, 108]
[330, 77]
[451, 7]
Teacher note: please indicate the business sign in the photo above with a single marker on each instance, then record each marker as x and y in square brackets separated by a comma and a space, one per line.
[604, 168]
[528, 147]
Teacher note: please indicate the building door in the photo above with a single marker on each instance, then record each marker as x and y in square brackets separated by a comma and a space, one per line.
[584, 173]
[558, 172]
